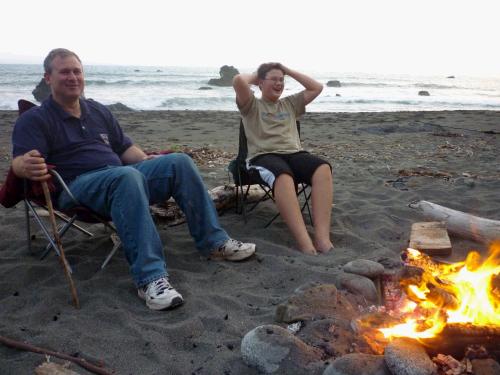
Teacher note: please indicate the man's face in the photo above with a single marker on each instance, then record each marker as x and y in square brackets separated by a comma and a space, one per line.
[272, 86]
[66, 79]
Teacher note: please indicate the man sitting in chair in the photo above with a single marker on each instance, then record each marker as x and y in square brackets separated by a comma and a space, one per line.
[110, 175]
[274, 149]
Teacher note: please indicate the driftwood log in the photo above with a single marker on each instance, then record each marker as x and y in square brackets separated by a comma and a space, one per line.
[462, 224]
[224, 197]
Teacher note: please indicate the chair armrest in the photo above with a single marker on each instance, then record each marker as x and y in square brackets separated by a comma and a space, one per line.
[65, 187]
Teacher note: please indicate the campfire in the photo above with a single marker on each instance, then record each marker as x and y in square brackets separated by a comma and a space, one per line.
[437, 295]
[447, 307]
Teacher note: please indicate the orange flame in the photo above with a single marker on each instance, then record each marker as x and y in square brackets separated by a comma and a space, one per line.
[461, 292]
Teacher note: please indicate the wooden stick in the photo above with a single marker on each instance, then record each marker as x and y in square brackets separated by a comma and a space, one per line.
[62, 257]
[30, 348]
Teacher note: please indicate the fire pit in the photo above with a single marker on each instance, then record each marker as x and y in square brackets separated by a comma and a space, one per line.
[432, 318]
[446, 307]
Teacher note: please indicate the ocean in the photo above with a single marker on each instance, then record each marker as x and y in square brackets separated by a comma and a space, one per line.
[178, 88]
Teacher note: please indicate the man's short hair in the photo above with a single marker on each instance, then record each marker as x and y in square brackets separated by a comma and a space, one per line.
[62, 53]
[266, 67]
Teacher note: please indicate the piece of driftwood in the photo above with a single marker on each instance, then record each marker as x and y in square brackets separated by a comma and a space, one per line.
[224, 197]
[460, 223]
[100, 370]
[430, 238]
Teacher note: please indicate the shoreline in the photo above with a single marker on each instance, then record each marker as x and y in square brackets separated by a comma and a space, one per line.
[381, 162]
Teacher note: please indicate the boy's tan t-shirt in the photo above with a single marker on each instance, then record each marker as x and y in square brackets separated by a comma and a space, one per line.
[271, 127]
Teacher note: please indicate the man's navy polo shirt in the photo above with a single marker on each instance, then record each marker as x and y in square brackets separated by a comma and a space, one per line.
[73, 145]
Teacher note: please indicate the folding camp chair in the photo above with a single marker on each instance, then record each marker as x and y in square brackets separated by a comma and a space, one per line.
[16, 189]
[244, 177]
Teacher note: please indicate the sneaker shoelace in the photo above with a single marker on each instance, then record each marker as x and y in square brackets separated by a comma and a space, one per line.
[232, 243]
[161, 285]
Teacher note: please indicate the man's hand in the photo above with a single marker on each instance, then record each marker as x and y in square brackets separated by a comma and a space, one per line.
[31, 165]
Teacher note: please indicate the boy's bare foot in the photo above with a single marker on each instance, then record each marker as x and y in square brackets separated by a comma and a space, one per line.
[309, 252]
[327, 250]
[323, 247]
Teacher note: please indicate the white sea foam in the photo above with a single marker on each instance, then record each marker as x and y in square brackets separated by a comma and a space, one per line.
[176, 88]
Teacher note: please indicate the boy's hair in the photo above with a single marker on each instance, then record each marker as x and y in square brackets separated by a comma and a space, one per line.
[62, 53]
[266, 67]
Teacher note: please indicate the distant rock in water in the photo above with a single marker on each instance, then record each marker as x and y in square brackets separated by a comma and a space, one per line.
[205, 88]
[337, 95]
[424, 93]
[158, 70]
[450, 77]
[41, 91]
[333, 83]
[227, 74]
[119, 107]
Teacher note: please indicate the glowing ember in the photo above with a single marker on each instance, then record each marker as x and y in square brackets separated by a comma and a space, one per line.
[461, 292]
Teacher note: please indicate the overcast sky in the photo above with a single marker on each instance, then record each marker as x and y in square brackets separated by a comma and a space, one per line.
[375, 36]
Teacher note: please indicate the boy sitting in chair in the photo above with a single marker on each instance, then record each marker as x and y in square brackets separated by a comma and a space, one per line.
[274, 149]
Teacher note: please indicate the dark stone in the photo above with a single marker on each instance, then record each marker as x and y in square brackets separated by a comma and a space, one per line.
[41, 91]
[358, 364]
[334, 337]
[227, 74]
[333, 83]
[408, 357]
[424, 93]
[323, 301]
[364, 267]
[486, 366]
[450, 77]
[205, 88]
[119, 107]
[358, 285]
[272, 349]
[337, 95]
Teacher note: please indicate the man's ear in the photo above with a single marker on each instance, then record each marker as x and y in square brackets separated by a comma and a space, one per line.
[46, 76]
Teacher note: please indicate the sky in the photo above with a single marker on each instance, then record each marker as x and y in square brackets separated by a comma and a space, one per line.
[450, 37]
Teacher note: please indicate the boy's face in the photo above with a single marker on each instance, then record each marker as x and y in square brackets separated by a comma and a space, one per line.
[272, 86]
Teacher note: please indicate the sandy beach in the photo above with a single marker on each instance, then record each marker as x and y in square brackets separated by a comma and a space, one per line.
[381, 162]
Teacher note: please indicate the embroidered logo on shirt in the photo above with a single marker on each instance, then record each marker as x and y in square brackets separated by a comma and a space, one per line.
[279, 116]
[105, 138]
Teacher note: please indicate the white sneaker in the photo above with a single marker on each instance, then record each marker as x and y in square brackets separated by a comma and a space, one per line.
[160, 295]
[234, 250]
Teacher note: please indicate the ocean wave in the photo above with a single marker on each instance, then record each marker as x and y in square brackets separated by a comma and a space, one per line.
[438, 86]
[215, 103]
[413, 102]
[145, 83]
[367, 84]
[402, 85]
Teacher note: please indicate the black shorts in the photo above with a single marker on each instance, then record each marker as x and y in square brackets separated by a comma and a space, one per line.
[300, 165]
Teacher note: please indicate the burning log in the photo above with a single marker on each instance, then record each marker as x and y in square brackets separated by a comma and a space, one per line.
[456, 339]
[460, 223]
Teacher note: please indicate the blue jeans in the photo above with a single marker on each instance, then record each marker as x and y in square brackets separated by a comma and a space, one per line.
[124, 193]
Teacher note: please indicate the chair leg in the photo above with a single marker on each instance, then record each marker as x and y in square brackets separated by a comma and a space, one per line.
[110, 255]
[307, 196]
[69, 223]
[73, 224]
